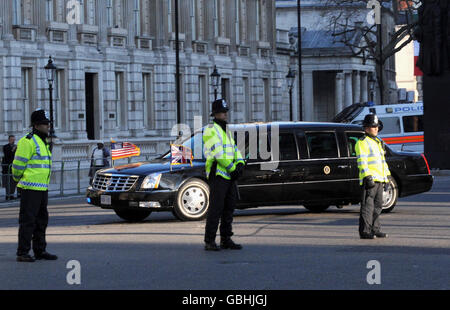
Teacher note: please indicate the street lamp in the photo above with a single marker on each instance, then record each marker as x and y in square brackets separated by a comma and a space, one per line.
[290, 82]
[372, 82]
[215, 76]
[50, 70]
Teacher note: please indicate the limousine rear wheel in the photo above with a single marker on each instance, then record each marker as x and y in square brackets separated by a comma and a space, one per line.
[316, 208]
[133, 215]
[390, 196]
[192, 201]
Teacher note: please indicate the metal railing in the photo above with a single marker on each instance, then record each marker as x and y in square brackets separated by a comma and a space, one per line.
[69, 177]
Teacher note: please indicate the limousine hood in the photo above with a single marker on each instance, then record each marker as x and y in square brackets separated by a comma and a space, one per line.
[159, 165]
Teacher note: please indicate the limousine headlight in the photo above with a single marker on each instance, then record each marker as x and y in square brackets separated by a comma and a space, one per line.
[151, 181]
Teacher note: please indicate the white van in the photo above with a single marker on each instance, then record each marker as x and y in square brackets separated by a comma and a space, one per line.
[402, 123]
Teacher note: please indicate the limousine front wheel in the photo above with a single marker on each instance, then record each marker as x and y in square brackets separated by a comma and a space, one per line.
[192, 201]
[390, 196]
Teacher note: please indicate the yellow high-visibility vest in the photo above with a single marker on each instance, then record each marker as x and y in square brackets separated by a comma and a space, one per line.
[371, 160]
[32, 163]
[220, 147]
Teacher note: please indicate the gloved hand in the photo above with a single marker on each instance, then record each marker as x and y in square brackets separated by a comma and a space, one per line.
[237, 173]
[386, 186]
[368, 182]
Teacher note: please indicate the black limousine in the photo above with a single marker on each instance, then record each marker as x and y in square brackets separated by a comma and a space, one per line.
[288, 163]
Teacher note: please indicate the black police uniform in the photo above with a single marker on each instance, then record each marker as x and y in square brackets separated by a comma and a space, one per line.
[223, 196]
[33, 215]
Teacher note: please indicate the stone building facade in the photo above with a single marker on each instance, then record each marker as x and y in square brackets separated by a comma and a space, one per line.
[333, 78]
[116, 67]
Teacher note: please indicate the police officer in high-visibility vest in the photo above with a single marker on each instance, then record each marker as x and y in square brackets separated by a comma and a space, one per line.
[224, 165]
[31, 169]
[373, 177]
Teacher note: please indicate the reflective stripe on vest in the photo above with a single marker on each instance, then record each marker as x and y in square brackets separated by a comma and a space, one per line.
[371, 161]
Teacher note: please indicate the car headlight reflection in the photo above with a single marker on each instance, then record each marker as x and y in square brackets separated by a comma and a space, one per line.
[151, 181]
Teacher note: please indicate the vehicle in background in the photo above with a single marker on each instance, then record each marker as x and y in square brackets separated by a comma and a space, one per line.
[402, 123]
[311, 164]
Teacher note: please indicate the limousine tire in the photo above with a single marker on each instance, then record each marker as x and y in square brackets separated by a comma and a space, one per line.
[192, 201]
[316, 208]
[132, 215]
[390, 196]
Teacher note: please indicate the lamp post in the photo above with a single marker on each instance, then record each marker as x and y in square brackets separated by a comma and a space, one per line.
[215, 76]
[50, 70]
[299, 50]
[290, 82]
[372, 82]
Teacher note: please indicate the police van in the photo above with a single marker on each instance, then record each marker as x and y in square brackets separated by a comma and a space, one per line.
[402, 123]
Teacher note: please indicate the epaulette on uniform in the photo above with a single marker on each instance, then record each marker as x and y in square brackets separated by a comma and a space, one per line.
[30, 135]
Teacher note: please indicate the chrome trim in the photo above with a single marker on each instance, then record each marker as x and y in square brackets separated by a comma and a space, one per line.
[109, 182]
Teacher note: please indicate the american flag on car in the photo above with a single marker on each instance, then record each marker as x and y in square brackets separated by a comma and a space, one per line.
[180, 154]
[124, 149]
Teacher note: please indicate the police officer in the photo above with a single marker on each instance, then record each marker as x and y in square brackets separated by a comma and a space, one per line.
[224, 165]
[31, 169]
[373, 176]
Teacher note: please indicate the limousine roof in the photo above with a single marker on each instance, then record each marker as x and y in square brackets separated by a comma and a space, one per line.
[299, 124]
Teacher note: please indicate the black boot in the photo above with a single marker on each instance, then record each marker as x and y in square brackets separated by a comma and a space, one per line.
[211, 246]
[45, 256]
[229, 244]
[25, 258]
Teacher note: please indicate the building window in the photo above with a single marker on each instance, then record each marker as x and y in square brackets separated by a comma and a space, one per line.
[147, 94]
[192, 9]
[17, 12]
[109, 13]
[121, 102]
[59, 100]
[49, 10]
[89, 9]
[216, 18]
[258, 19]
[203, 98]
[27, 91]
[170, 16]
[137, 17]
[266, 93]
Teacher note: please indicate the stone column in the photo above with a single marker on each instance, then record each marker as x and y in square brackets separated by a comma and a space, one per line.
[7, 20]
[356, 87]
[364, 92]
[348, 89]
[339, 98]
[308, 96]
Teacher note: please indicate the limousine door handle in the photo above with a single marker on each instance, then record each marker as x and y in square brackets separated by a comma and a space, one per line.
[343, 166]
[276, 170]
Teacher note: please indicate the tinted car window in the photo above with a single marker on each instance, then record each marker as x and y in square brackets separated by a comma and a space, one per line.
[413, 123]
[322, 144]
[257, 146]
[288, 148]
[352, 138]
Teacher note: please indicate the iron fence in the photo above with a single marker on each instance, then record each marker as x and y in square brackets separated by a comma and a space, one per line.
[68, 177]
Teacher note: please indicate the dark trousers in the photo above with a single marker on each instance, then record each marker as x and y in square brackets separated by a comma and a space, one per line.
[33, 220]
[222, 202]
[371, 206]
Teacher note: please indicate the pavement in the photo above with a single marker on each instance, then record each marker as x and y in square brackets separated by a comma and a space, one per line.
[285, 247]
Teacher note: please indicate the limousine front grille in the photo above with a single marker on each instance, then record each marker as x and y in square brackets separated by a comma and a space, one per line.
[114, 183]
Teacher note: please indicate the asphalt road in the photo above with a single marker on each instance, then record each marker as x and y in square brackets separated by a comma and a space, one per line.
[284, 248]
